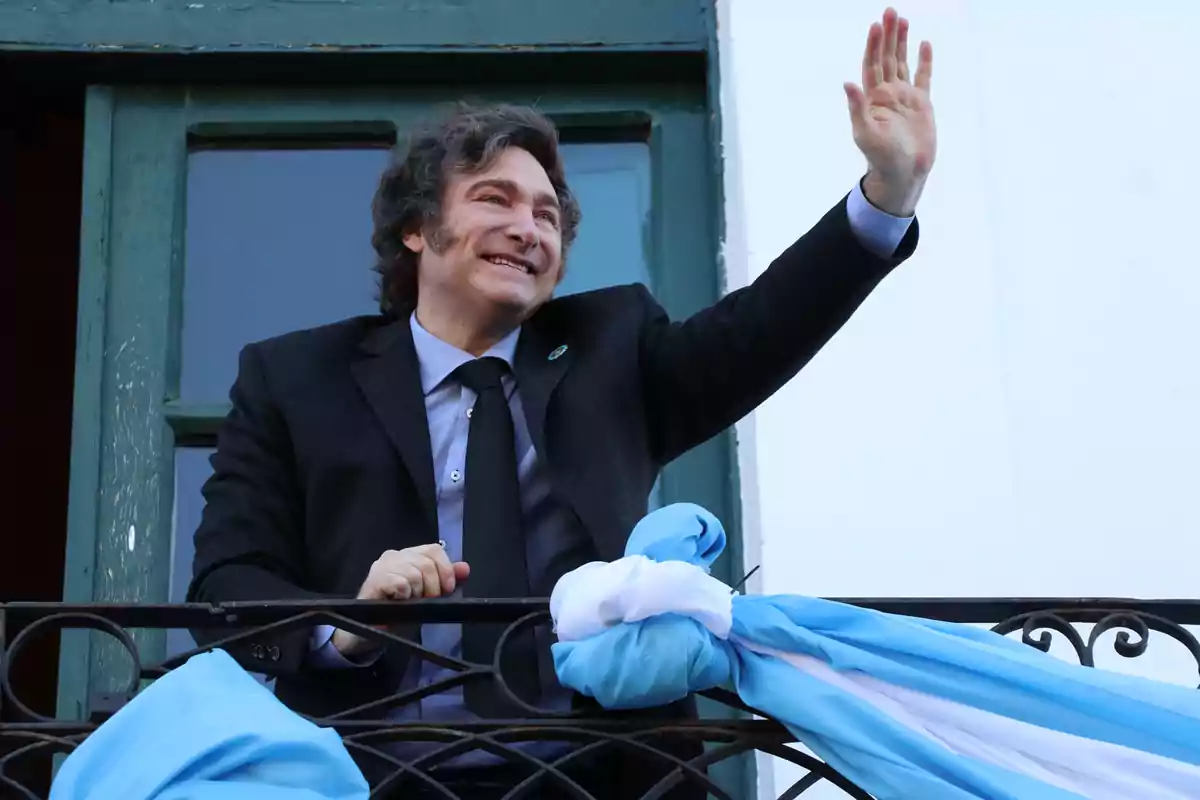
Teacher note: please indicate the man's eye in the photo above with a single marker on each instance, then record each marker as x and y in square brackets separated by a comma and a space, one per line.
[493, 198]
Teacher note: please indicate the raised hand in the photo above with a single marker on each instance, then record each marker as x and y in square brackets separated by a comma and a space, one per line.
[892, 117]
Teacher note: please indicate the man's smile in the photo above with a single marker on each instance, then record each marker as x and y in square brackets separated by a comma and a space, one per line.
[513, 262]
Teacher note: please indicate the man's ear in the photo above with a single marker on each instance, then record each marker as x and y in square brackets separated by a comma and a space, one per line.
[415, 241]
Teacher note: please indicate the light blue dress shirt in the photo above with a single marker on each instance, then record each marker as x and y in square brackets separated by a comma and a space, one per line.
[447, 404]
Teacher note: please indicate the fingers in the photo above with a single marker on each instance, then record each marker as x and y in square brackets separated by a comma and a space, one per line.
[445, 570]
[423, 571]
[401, 581]
[431, 579]
[858, 106]
[890, 35]
[437, 575]
[924, 66]
[872, 69]
[902, 50]
[422, 576]
[885, 57]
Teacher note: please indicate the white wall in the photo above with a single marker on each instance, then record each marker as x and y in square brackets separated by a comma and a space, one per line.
[1015, 411]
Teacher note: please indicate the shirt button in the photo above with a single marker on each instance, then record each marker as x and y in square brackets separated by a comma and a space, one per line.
[469, 410]
[455, 475]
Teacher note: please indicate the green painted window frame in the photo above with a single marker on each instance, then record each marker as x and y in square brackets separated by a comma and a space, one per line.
[356, 26]
[127, 415]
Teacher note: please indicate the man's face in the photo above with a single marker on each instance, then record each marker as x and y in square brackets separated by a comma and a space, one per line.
[498, 250]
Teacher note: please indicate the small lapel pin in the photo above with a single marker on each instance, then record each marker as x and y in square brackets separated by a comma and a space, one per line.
[557, 353]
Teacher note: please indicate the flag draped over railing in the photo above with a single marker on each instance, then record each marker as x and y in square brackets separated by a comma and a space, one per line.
[903, 707]
[209, 731]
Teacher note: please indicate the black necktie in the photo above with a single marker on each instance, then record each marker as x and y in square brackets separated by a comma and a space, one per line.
[493, 544]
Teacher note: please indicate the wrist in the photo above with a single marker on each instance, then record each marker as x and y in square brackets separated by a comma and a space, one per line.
[352, 646]
[896, 197]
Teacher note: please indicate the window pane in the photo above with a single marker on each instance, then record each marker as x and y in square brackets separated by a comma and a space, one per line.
[276, 240]
[612, 182]
[191, 470]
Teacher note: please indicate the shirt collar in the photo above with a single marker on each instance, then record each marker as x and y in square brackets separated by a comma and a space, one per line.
[438, 359]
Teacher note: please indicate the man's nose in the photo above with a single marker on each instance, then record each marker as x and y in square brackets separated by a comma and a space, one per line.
[522, 229]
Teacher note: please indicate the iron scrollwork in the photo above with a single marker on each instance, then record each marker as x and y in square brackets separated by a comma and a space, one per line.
[28, 737]
[1134, 630]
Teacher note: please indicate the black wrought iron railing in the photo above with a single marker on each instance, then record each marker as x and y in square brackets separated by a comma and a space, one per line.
[670, 756]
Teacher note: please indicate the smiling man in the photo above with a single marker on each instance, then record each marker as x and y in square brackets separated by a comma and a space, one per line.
[492, 252]
[478, 438]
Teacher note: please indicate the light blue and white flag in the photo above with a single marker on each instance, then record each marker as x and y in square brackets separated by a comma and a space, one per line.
[903, 707]
[209, 731]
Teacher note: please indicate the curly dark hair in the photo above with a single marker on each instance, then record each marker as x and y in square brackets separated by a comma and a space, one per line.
[410, 192]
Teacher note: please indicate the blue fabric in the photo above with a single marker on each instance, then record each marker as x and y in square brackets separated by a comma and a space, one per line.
[209, 731]
[664, 658]
[981, 669]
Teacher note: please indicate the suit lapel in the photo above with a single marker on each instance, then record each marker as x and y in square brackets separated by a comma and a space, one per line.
[544, 355]
[540, 363]
[390, 378]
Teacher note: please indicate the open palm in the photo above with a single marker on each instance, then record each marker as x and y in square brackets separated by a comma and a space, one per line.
[891, 116]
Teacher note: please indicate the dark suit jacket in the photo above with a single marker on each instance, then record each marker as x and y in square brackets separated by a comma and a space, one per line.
[324, 461]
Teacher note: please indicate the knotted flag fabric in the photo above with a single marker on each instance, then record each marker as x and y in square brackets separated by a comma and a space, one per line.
[209, 731]
[903, 707]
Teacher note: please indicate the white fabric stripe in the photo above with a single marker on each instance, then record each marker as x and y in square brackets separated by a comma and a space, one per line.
[1094, 769]
[596, 596]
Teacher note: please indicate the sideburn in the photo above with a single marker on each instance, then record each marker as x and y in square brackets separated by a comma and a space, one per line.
[440, 239]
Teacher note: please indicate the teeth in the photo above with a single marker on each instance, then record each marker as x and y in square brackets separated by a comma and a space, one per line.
[506, 263]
